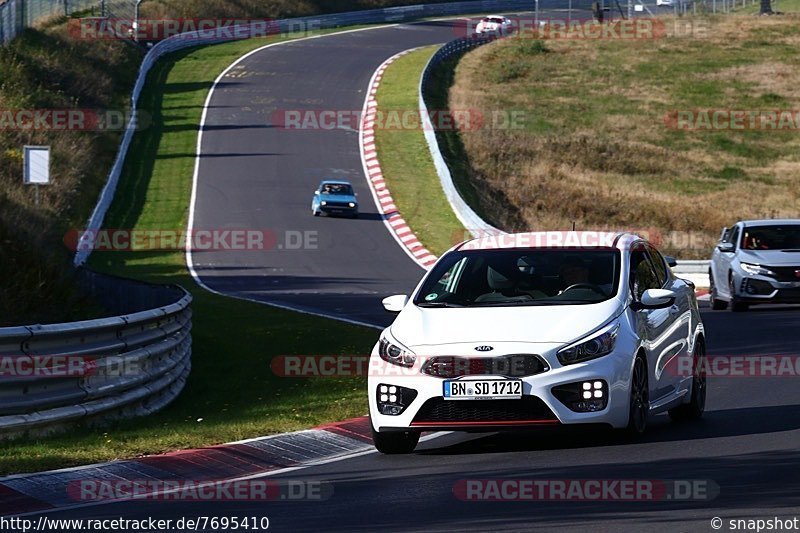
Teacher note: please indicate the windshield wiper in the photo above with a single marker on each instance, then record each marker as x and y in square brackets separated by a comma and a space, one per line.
[438, 304]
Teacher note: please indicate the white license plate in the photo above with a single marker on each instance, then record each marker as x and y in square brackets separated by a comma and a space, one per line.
[484, 389]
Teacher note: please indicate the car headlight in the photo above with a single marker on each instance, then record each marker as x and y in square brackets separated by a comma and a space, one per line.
[352, 204]
[756, 269]
[323, 202]
[600, 344]
[393, 352]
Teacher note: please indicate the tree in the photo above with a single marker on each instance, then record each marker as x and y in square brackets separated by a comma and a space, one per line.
[766, 7]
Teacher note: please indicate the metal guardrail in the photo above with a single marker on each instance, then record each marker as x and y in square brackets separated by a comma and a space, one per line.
[471, 220]
[127, 365]
[179, 42]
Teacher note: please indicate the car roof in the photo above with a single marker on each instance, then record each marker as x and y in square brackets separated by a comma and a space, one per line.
[335, 182]
[551, 239]
[770, 222]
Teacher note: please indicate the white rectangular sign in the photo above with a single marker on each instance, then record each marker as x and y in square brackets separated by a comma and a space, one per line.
[36, 165]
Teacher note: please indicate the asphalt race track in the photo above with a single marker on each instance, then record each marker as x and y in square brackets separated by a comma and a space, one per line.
[253, 175]
[747, 444]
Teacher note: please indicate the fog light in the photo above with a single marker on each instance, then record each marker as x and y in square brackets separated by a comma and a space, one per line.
[756, 286]
[583, 397]
[393, 400]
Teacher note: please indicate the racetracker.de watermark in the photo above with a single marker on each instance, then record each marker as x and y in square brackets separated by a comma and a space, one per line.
[398, 120]
[247, 490]
[31, 119]
[582, 490]
[733, 119]
[71, 366]
[101, 28]
[673, 240]
[46, 366]
[223, 239]
[737, 366]
[588, 29]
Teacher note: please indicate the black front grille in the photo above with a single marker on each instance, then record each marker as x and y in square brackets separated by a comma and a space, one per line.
[784, 273]
[526, 409]
[513, 366]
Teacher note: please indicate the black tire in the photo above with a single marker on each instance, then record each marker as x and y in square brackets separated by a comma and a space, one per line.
[697, 405]
[640, 398]
[716, 303]
[316, 213]
[394, 443]
[737, 306]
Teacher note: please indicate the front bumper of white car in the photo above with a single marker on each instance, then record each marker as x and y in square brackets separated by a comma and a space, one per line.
[756, 288]
[550, 397]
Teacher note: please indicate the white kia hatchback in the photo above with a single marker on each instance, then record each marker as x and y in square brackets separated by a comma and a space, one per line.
[538, 329]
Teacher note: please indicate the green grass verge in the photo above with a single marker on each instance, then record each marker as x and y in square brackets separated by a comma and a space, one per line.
[406, 160]
[231, 393]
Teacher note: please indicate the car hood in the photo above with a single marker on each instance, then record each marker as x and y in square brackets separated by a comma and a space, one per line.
[338, 197]
[770, 257]
[416, 327]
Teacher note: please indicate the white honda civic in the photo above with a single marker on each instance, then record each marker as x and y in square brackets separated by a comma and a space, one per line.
[538, 329]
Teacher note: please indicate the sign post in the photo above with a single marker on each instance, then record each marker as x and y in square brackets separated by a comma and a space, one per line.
[36, 167]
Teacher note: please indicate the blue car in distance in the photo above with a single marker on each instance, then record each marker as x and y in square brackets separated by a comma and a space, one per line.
[335, 198]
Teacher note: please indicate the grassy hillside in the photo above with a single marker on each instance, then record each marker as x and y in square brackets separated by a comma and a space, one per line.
[596, 147]
[46, 69]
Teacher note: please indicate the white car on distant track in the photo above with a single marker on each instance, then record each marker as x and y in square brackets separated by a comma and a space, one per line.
[531, 330]
[756, 262]
[494, 25]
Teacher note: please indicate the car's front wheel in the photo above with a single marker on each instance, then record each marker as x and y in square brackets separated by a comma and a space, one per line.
[395, 442]
[697, 405]
[640, 398]
[716, 303]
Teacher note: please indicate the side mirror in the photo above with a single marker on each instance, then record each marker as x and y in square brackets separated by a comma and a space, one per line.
[656, 299]
[396, 303]
[316, 192]
[671, 261]
[726, 247]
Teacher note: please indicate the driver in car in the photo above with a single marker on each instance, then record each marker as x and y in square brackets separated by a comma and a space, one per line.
[575, 272]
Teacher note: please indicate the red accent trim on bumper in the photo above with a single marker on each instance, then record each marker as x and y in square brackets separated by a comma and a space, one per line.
[489, 423]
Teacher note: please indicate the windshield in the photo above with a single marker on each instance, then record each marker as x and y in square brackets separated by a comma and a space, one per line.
[337, 188]
[521, 277]
[493, 19]
[779, 237]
